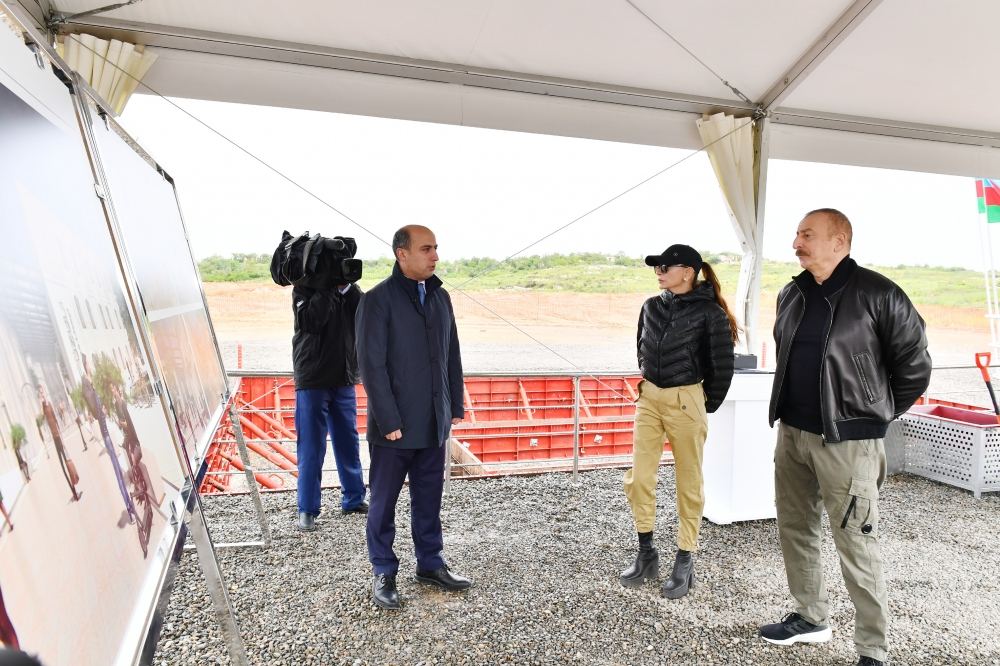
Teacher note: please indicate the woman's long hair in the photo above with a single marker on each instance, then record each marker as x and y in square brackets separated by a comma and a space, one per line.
[712, 279]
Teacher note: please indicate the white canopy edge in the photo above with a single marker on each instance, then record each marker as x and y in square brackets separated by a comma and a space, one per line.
[814, 144]
[230, 79]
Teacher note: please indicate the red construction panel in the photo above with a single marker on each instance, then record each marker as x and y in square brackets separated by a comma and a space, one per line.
[495, 398]
[507, 418]
[551, 397]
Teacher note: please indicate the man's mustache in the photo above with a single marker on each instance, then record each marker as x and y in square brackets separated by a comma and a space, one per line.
[801, 253]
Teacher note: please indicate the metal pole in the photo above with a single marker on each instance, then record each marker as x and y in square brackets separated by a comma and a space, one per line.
[576, 428]
[209, 563]
[241, 444]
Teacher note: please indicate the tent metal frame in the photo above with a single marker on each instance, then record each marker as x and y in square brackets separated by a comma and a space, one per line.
[216, 43]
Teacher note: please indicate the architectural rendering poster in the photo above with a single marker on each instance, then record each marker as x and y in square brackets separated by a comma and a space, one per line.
[90, 477]
[153, 234]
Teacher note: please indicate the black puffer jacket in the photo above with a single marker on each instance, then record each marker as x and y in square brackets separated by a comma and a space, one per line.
[685, 339]
[323, 351]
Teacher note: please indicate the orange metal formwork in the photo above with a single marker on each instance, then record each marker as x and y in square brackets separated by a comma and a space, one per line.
[508, 419]
[531, 417]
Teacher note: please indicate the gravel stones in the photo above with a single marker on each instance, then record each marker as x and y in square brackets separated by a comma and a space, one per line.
[545, 556]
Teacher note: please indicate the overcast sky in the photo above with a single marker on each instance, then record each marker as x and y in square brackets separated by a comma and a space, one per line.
[491, 193]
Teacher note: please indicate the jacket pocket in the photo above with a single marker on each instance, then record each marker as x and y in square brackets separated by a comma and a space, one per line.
[868, 377]
[860, 512]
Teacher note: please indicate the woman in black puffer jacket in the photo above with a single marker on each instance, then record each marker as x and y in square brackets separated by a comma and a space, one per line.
[685, 347]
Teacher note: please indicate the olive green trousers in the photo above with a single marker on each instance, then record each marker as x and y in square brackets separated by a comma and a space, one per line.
[844, 478]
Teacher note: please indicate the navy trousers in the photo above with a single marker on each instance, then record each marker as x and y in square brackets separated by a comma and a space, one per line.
[389, 468]
[317, 412]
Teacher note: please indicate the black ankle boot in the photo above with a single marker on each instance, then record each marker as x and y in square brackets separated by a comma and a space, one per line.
[682, 578]
[646, 566]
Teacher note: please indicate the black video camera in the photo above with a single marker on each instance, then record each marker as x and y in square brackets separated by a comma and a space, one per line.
[315, 261]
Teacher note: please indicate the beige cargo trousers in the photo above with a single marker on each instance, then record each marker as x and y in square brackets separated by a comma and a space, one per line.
[810, 474]
[678, 414]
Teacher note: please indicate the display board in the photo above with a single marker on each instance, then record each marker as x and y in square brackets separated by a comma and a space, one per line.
[153, 235]
[91, 476]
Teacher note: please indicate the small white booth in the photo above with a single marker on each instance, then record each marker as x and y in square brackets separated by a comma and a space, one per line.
[739, 453]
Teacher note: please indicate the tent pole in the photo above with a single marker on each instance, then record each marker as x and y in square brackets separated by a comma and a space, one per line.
[751, 306]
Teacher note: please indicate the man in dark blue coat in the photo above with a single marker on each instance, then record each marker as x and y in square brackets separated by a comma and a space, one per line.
[411, 369]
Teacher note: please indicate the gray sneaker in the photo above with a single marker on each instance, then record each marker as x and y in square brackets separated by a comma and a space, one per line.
[794, 628]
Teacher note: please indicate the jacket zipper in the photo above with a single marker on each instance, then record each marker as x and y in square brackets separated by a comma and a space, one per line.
[822, 363]
[659, 342]
[795, 330]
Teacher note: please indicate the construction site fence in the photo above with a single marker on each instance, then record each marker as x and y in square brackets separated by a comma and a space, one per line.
[520, 423]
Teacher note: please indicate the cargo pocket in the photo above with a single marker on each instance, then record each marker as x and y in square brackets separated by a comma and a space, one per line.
[860, 512]
[693, 404]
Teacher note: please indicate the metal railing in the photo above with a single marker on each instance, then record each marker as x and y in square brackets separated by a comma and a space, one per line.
[534, 423]
[960, 384]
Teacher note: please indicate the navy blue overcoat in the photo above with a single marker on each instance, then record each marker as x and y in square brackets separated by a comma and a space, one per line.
[410, 361]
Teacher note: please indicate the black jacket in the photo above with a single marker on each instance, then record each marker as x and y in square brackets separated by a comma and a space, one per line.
[323, 352]
[411, 364]
[684, 339]
[875, 362]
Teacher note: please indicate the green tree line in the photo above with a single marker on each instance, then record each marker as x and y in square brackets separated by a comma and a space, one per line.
[601, 273]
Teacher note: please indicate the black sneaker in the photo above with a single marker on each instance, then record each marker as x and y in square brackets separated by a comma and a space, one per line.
[871, 661]
[794, 628]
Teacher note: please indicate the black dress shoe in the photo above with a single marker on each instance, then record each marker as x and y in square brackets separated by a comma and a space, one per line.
[682, 578]
[359, 508]
[444, 578]
[306, 522]
[384, 592]
[645, 567]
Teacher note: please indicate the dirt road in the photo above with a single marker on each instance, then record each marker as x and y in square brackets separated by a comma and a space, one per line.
[523, 330]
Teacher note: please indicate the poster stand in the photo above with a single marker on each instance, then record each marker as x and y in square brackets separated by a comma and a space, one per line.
[241, 445]
[207, 557]
[134, 634]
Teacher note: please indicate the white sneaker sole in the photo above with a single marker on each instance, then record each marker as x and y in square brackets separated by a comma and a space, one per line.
[821, 636]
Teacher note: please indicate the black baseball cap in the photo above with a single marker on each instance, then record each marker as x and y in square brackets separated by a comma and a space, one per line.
[677, 255]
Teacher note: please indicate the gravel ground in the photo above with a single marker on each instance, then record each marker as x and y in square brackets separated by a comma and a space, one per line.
[545, 555]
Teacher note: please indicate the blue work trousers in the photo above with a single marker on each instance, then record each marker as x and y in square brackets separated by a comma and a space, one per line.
[318, 412]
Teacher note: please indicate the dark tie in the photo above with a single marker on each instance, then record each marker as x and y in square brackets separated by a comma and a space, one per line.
[421, 292]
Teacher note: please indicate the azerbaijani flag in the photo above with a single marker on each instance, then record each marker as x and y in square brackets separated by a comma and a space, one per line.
[988, 195]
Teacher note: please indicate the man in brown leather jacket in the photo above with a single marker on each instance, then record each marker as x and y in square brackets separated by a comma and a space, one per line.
[852, 356]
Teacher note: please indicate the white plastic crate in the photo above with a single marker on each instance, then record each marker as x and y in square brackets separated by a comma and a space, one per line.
[960, 447]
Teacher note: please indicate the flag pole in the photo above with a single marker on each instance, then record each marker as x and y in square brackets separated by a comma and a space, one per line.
[989, 272]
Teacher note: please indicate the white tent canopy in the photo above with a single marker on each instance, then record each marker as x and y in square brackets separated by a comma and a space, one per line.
[605, 69]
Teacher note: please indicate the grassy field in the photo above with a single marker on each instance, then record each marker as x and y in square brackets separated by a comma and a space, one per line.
[598, 273]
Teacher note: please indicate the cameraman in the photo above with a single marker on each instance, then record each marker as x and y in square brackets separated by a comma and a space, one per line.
[326, 371]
